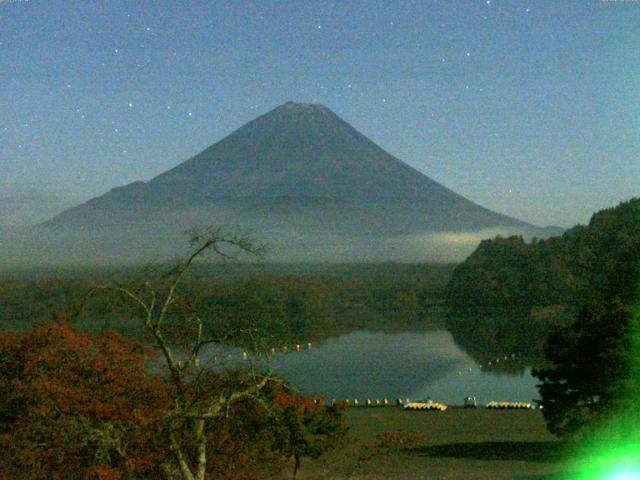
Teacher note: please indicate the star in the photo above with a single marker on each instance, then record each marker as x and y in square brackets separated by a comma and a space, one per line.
[190, 114]
[131, 105]
[115, 50]
[168, 107]
[468, 54]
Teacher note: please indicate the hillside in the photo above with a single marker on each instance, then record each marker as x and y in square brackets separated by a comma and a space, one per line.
[509, 274]
[510, 293]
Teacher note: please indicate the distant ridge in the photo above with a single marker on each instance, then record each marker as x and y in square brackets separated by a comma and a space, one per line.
[290, 175]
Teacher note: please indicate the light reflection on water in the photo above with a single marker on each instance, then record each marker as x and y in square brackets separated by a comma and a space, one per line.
[380, 365]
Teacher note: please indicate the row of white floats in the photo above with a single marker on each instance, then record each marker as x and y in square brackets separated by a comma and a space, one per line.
[491, 363]
[299, 347]
[368, 403]
[510, 405]
[406, 404]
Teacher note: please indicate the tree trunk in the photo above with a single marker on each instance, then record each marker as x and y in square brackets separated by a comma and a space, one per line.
[185, 471]
[201, 445]
[296, 465]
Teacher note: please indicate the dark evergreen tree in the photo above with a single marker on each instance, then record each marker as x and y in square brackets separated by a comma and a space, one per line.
[594, 361]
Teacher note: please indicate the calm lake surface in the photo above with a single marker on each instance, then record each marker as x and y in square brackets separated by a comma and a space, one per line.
[379, 365]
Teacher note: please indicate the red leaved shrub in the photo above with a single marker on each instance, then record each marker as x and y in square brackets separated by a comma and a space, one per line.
[76, 405]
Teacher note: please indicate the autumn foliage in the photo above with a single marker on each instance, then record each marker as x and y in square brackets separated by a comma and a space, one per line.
[74, 405]
[85, 406]
[308, 428]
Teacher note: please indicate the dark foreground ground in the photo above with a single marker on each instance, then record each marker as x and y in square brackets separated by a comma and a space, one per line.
[455, 444]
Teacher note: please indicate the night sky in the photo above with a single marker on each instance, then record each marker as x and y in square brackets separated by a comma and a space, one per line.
[530, 108]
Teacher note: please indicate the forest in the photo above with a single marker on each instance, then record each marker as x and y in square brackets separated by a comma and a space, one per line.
[291, 301]
[512, 293]
[510, 275]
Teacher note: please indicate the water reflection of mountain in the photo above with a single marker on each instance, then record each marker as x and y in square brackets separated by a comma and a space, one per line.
[367, 364]
[372, 364]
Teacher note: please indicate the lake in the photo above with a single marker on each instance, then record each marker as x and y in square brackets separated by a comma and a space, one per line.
[413, 365]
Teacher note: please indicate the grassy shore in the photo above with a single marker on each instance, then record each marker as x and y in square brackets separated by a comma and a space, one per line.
[455, 444]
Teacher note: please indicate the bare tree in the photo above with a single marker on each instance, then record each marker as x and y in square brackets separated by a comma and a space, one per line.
[194, 405]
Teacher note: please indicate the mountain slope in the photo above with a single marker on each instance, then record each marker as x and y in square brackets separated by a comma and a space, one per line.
[295, 160]
[301, 178]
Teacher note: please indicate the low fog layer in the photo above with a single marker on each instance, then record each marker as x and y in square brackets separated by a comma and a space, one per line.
[155, 243]
[29, 207]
